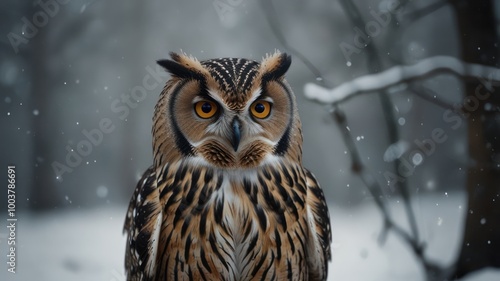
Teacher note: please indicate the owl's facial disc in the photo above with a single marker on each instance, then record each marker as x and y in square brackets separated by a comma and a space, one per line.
[228, 134]
[231, 113]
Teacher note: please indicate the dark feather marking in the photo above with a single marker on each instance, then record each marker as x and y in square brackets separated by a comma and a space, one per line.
[185, 225]
[180, 174]
[181, 142]
[301, 188]
[264, 274]
[274, 275]
[208, 175]
[297, 199]
[262, 182]
[284, 143]
[179, 213]
[164, 252]
[202, 200]
[220, 179]
[213, 245]
[266, 173]
[228, 244]
[203, 222]
[188, 199]
[271, 201]
[201, 272]
[176, 267]
[161, 178]
[142, 247]
[247, 231]
[277, 175]
[190, 274]
[143, 214]
[280, 218]
[301, 260]
[261, 216]
[247, 186]
[288, 177]
[187, 248]
[252, 244]
[277, 239]
[174, 195]
[290, 241]
[289, 269]
[195, 175]
[147, 187]
[285, 197]
[258, 265]
[219, 209]
[254, 196]
[251, 190]
[301, 228]
[204, 261]
[295, 176]
[302, 245]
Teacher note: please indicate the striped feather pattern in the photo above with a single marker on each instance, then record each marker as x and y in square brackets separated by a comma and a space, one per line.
[224, 226]
[235, 76]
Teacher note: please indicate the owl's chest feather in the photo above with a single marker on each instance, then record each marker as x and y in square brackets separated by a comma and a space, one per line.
[241, 226]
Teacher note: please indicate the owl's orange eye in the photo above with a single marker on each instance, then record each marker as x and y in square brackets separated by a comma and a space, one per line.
[260, 109]
[205, 109]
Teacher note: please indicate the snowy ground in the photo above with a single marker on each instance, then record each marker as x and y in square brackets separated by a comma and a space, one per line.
[89, 245]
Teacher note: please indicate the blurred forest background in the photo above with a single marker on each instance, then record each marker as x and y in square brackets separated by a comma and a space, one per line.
[424, 202]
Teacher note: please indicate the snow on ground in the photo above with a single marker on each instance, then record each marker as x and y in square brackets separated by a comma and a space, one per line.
[89, 245]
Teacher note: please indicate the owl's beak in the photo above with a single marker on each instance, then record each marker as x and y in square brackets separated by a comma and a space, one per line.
[235, 140]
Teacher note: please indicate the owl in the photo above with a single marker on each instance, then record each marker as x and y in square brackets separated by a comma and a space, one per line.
[227, 197]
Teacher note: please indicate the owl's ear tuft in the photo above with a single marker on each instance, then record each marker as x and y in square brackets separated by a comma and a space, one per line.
[181, 66]
[175, 56]
[275, 66]
[176, 69]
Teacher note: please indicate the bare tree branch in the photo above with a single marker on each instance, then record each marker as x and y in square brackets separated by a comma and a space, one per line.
[271, 17]
[399, 75]
[375, 65]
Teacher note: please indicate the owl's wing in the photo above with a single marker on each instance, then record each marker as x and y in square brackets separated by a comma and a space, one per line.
[142, 225]
[318, 251]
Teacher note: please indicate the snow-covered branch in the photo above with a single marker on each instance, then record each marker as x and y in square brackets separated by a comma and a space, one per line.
[402, 74]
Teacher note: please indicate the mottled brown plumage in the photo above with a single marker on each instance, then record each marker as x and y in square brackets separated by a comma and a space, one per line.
[227, 197]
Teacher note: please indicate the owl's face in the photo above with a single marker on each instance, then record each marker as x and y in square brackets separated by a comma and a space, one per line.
[229, 113]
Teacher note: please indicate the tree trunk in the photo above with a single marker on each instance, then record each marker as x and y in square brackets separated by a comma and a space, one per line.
[44, 194]
[481, 241]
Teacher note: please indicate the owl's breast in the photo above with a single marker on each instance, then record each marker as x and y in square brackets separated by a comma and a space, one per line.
[258, 231]
[233, 226]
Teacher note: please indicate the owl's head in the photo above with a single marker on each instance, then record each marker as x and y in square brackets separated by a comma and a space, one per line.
[229, 113]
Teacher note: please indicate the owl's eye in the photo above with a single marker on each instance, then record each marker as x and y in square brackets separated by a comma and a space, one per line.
[260, 109]
[205, 109]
